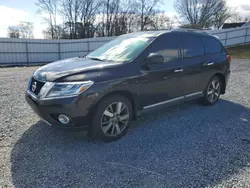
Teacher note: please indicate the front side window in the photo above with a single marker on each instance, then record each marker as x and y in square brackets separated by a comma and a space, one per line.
[191, 46]
[167, 46]
[121, 49]
[212, 46]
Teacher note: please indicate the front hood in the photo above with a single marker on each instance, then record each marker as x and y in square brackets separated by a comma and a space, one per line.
[66, 67]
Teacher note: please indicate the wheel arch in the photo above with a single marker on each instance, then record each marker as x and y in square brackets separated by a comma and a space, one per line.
[223, 80]
[125, 94]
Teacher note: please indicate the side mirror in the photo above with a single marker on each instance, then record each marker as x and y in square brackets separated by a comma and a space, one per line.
[154, 58]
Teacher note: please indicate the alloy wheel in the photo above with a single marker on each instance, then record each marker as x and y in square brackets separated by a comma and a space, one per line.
[213, 91]
[115, 119]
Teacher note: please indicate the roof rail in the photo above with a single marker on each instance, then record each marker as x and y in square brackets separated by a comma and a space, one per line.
[191, 30]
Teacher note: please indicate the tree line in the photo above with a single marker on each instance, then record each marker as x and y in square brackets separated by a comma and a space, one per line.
[89, 18]
[22, 30]
[203, 14]
[76, 19]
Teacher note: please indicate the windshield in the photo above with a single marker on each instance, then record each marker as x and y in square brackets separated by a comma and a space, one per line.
[120, 49]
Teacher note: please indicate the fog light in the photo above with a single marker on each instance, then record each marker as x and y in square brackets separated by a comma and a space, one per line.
[63, 119]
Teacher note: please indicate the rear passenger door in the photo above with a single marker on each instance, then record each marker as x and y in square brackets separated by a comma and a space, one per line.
[214, 59]
[192, 55]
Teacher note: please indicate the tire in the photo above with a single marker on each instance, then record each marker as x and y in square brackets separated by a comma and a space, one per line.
[212, 91]
[112, 118]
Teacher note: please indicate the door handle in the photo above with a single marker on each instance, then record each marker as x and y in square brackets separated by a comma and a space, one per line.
[211, 63]
[178, 70]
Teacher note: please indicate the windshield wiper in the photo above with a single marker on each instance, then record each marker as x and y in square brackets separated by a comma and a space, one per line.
[95, 58]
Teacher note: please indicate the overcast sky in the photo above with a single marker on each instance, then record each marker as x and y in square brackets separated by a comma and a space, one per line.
[13, 11]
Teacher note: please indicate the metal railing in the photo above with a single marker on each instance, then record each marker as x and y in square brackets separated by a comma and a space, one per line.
[35, 51]
[233, 37]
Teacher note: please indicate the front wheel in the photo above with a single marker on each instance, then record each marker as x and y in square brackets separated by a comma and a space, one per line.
[111, 118]
[212, 91]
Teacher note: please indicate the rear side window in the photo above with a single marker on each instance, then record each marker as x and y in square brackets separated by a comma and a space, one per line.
[212, 46]
[191, 46]
[167, 46]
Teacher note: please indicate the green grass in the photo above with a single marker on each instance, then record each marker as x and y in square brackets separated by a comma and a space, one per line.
[239, 52]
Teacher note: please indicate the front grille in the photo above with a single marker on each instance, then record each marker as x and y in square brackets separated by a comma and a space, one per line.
[36, 86]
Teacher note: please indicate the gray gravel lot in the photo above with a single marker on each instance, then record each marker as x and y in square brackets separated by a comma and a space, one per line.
[183, 146]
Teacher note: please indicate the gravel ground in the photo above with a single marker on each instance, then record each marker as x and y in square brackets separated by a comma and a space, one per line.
[183, 146]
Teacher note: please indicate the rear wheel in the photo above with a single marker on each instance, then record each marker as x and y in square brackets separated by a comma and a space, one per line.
[111, 118]
[212, 91]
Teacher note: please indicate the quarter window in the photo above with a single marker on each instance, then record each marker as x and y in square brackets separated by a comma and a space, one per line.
[212, 46]
[191, 46]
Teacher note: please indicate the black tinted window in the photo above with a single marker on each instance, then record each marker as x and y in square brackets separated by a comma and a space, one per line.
[212, 46]
[167, 46]
[191, 46]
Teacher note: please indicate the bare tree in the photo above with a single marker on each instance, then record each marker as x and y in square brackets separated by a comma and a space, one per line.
[50, 8]
[125, 17]
[79, 17]
[89, 9]
[161, 21]
[89, 18]
[132, 23]
[115, 17]
[203, 13]
[110, 12]
[13, 32]
[121, 16]
[22, 30]
[71, 9]
[224, 13]
[26, 29]
[59, 33]
[146, 8]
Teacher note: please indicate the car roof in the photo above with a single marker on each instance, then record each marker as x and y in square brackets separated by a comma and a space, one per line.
[161, 32]
[146, 33]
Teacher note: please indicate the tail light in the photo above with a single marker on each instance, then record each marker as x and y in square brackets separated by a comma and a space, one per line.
[229, 58]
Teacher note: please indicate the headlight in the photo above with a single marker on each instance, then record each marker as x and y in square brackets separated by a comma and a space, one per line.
[54, 90]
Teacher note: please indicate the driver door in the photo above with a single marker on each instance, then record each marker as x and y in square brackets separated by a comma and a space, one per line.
[162, 80]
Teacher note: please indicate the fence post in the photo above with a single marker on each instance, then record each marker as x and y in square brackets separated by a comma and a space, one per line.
[88, 46]
[27, 52]
[226, 40]
[245, 40]
[59, 50]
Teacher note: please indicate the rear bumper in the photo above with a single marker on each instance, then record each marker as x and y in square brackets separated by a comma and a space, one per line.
[78, 110]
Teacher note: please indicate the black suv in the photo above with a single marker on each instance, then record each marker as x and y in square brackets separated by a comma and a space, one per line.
[129, 75]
